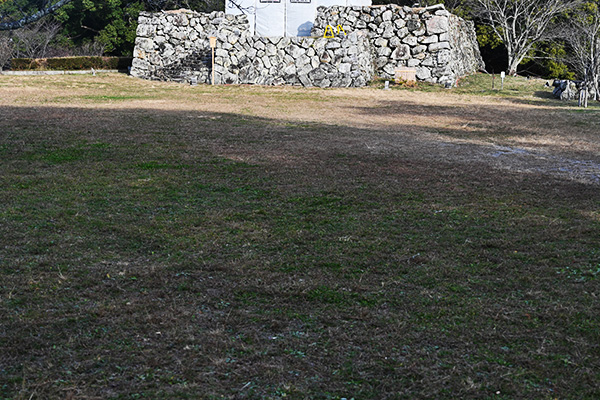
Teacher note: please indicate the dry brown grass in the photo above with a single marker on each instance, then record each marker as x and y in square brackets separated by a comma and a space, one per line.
[474, 116]
[543, 128]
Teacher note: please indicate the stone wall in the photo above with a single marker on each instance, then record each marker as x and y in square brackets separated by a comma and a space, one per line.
[439, 45]
[174, 46]
[338, 62]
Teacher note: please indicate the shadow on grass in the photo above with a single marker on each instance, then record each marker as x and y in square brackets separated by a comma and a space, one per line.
[544, 94]
[494, 122]
[190, 254]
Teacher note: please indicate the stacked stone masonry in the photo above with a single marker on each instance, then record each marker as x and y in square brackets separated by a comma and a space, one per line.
[377, 40]
[439, 45]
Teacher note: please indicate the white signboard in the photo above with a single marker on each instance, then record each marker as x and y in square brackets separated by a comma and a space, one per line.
[270, 19]
[299, 18]
[283, 17]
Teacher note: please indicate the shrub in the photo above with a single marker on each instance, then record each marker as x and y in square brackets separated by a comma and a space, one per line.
[70, 63]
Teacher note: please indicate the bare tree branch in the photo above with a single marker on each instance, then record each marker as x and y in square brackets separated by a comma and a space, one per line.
[582, 32]
[33, 41]
[520, 24]
[7, 49]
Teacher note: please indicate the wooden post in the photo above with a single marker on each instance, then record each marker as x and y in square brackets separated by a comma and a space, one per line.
[213, 44]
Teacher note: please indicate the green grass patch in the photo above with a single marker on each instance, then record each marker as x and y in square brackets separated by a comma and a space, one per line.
[83, 152]
[115, 97]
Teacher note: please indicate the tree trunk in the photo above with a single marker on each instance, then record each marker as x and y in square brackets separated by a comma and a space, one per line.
[513, 64]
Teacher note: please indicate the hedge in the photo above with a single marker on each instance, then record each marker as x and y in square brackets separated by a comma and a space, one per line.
[70, 63]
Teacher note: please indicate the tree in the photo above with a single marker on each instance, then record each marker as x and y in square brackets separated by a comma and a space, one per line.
[520, 24]
[33, 40]
[111, 23]
[15, 14]
[582, 33]
[107, 24]
[196, 5]
[457, 7]
[7, 49]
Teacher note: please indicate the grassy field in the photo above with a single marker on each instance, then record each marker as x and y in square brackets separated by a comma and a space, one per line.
[239, 242]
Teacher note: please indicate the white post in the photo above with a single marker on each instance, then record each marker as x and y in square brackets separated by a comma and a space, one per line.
[213, 44]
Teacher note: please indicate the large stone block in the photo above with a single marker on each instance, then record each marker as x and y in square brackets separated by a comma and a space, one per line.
[333, 44]
[413, 25]
[434, 47]
[402, 52]
[388, 32]
[267, 62]
[381, 42]
[436, 25]
[289, 70]
[410, 40]
[428, 61]
[402, 32]
[345, 68]
[317, 74]
[384, 51]
[145, 30]
[381, 61]
[429, 39]
[305, 80]
[221, 53]
[389, 69]
[423, 73]
[144, 44]
[139, 64]
[296, 51]
[418, 49]
[413, 62]
[270, 49]
[394, 42]
[444, 57]
[302, 60]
